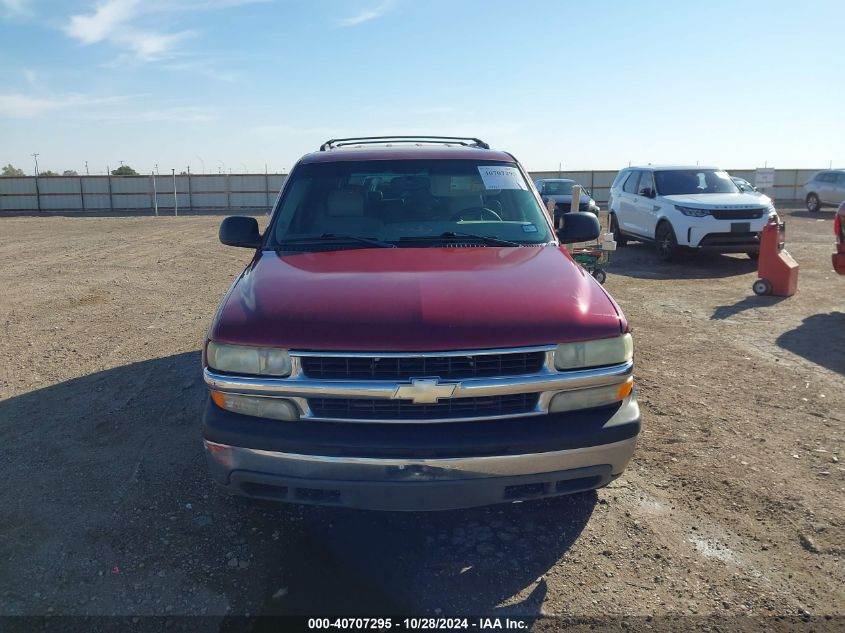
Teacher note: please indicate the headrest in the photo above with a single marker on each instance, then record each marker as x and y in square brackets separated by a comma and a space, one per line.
[458, 203]
[409, 183]
[345, 203]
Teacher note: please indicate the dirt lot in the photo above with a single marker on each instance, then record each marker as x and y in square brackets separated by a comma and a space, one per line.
[734, 502]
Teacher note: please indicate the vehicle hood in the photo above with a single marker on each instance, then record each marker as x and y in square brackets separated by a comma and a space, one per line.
[416, 299]
[726, 200]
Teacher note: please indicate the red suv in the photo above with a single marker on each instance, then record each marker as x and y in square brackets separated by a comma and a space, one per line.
[411, 333]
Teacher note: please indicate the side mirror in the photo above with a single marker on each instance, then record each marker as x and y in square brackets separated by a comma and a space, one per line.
[240, 230]
[647, 192]
[579, 227]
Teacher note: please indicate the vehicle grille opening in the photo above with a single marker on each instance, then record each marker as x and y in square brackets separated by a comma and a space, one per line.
[738, 214]
[526, 491]
[378, 409]
[730, 239]
[264, 491]
[406, 367]
[578, 484]
[317, 495]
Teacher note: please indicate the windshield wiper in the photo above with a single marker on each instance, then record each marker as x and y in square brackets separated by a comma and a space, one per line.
[340, 237]
[487, 239]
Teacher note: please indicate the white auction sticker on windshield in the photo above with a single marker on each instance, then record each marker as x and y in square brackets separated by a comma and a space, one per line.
[501, 177]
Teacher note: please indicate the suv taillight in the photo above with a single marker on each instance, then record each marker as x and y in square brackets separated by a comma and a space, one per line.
[837, 227]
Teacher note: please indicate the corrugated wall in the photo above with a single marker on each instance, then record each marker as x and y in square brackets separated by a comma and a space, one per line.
[80, 194]
[245, 192]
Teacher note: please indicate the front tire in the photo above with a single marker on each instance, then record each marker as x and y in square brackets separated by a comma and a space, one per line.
[813, 203]
[617, 233]
[600, 276]
[667, 243]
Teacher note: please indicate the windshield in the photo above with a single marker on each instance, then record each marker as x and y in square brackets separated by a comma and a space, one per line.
[558, 187]
[407, 203]
[683, 181]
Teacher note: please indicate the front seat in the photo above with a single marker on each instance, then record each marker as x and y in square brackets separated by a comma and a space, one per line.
[345, 214]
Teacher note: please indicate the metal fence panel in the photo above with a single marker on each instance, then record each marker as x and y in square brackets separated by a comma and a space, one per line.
[209, 200]
[247, 183]
[58, 185]
[253, 191]
[249, 200]
[131, 184]
[12, 185]
[61, 202]
[208, 183]
[11, 202]
[94, 184]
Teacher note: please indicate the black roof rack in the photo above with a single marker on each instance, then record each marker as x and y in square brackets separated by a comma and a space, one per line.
[377, 140]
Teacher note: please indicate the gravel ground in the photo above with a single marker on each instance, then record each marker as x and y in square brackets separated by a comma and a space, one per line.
[733, 504]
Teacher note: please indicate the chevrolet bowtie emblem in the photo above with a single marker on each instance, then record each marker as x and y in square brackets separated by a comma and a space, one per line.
[424, 391]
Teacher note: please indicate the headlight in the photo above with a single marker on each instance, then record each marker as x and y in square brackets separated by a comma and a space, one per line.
[259, 406]
[695, 213]
[596, 353]
[238, 359]
[589, 398]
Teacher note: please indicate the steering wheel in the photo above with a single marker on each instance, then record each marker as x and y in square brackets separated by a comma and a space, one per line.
[480, 212]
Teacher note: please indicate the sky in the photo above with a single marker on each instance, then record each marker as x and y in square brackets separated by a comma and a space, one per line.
[219, 85]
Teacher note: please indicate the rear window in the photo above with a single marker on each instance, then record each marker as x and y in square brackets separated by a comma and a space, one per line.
[631, 183]
[558, 187]
[392, 200]
[620, 178]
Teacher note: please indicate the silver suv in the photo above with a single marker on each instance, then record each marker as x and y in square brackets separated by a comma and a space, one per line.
[825, 189]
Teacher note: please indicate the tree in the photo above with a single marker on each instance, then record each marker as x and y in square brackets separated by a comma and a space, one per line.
[11, 170]
[47, 172]
[124, 170]
[69, 172]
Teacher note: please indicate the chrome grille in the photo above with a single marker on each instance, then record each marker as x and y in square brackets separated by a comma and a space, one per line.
[373, 409]
[406, 367]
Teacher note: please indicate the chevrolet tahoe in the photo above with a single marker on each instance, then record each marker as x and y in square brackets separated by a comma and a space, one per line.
[411, 333]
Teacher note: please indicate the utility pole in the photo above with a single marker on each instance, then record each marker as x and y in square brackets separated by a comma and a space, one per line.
[155, 194]
[175, 199]
[35, 156]
[86, 168]
[156, 169]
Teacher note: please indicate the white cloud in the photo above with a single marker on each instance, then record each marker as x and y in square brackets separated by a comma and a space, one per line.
[131, 25]
[20, 106]
[30, 76]
[112, 21]
[14, 6]
[104, 23]
[82, 106]
[367, 14]
[177, 114]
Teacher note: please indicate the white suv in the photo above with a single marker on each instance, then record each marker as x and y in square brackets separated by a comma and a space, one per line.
[693, 207]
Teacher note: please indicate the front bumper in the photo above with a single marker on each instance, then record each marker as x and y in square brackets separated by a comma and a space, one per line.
[420, 467]
[747, 242]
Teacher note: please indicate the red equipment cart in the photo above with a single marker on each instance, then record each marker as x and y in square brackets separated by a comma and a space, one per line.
[777, 270]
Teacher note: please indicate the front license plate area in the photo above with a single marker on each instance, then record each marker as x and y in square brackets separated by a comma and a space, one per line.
[741, 227]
